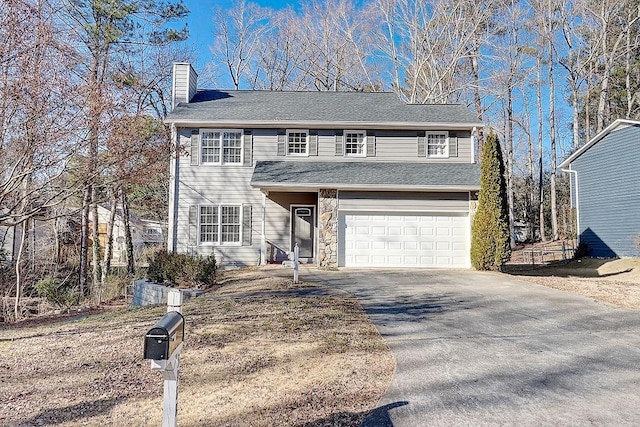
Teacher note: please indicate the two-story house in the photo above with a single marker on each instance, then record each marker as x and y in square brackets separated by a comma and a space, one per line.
[353, 178]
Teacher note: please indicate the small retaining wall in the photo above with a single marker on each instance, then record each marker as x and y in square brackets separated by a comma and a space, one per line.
[147, 293]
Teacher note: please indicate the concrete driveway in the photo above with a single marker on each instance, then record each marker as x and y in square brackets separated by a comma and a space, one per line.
[484, 349]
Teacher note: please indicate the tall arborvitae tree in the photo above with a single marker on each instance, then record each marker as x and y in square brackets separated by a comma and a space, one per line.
[490, 247]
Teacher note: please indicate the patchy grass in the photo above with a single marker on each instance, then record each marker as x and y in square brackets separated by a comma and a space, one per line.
[253, 361]
[615, 282]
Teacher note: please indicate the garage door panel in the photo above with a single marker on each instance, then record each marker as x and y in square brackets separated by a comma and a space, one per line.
[395, 240]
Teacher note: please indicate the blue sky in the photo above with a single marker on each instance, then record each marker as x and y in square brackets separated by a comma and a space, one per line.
[200, 22]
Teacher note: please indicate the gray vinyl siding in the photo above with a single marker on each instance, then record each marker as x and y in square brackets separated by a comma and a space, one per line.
[609, 194]
[200, 184]
[403, 201]
[278, 221]
[213, 185]
[193, 83]
[181, 82]
[390, 146]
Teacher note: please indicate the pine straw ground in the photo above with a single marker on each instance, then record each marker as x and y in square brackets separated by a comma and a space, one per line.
[261, 360]
[615, 282]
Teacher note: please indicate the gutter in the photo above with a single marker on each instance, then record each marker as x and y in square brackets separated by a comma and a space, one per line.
[318, 124]
[274, 186]
[577, 202]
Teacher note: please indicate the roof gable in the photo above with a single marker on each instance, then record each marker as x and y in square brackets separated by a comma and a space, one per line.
[616, 125]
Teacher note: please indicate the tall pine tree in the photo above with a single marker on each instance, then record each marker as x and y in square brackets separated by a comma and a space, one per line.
[490, 248]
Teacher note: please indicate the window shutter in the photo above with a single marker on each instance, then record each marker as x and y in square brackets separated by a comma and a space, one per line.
[422, 150]
[282, 143]
[313, 143]
[195, 147]
[193, 225]
[453, 146]
[248, 148]
[246, 225]
[339, 143]
[371, 144]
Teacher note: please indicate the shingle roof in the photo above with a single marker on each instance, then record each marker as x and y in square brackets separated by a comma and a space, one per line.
[436, 176]
[322, 107]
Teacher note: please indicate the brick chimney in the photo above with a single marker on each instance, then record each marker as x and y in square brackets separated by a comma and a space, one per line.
[185, 83]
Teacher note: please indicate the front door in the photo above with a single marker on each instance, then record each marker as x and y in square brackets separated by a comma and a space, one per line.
[302, 229]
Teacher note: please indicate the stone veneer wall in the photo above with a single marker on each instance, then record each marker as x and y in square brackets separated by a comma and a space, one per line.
[328, 228]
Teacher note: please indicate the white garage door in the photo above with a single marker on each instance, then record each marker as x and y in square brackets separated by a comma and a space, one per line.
[383, 239]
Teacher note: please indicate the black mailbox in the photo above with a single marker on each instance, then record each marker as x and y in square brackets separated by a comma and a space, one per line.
[165, 336]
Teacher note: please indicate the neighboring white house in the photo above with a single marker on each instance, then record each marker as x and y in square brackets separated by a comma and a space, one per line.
[144, 232]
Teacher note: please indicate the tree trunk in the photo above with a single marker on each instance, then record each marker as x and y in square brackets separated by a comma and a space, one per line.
[531, 188]
[84, 242]
[108, 250]
[18, 269]
[540, 152]
[552, 131]
[576, 115]
[510, 197]
[95, 259]
[127, 233]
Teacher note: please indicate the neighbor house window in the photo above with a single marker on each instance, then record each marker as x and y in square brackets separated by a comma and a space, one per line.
[220, 224]
[438, 144]
[355, 143]
[221, 146]
[297, 143]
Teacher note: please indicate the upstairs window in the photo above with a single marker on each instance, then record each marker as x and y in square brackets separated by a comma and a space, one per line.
[438, 145]
[297, 143]
[355, 143]
[221, 147]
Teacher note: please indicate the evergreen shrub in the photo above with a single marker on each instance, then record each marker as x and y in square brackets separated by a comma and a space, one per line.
[490, 238]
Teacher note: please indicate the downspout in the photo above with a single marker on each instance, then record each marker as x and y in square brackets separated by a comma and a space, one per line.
[577, 202]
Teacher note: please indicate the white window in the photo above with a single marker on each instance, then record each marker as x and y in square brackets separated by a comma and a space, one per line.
[209, 224]
[230, 222]
[437, 144]
[355, 143]
[220, 224]
[222, 146]
[297, 143]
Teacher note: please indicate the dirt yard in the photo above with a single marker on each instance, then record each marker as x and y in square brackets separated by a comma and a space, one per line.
[262, 360]
[615, 282]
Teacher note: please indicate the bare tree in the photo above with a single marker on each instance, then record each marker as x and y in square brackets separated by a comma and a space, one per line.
[430, 45]
[238, 34]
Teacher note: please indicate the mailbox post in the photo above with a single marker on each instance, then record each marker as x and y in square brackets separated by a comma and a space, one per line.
[163, 344]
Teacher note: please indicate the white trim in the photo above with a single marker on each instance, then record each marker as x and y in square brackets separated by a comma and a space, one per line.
[577, 202]
[364, 141]
[595, 139]
[263, 236]
[445, 155]
[220, 161]
[312, 187]
[173, 191]
[414, 210]
[219, 223]
[331, 125]
[286, 143]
